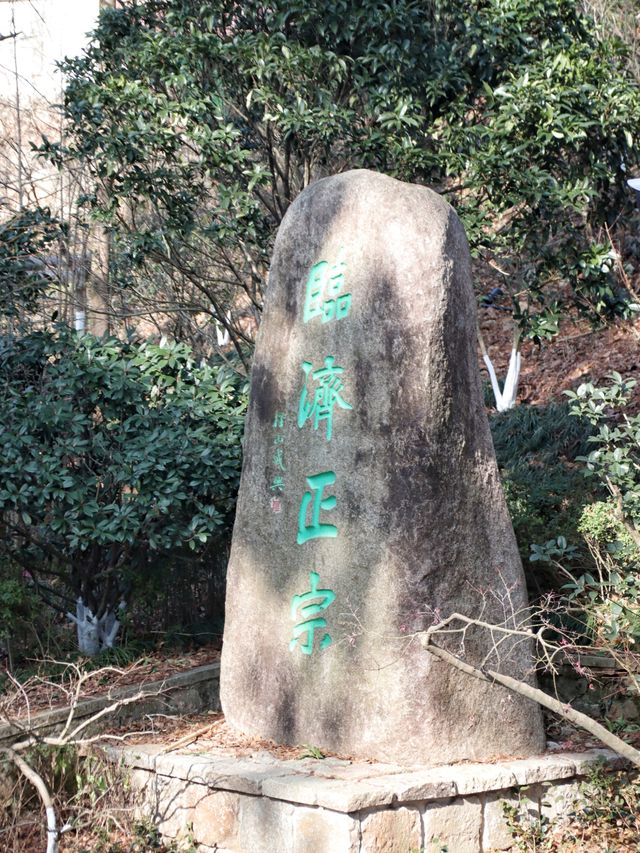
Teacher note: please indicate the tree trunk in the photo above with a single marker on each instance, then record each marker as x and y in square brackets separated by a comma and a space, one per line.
[95, 633]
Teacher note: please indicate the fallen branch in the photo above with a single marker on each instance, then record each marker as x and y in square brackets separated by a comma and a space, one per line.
[535, 695]
[38, 783]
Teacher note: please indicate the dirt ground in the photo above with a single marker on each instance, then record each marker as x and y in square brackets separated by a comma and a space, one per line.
[578, 354]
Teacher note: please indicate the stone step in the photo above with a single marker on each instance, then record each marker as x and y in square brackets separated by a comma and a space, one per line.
[263, 804]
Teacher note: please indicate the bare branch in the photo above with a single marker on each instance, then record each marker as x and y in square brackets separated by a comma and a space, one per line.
[43, 792]
[527, 690]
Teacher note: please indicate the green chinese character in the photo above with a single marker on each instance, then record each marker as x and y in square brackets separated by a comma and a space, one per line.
[314, 291]
[315, 529]
[324, 398]
[278, 458]
[278, 421]
[277, 484]
[301, 607]
[322, 291]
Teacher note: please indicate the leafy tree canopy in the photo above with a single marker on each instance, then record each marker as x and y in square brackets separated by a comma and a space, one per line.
[201, 122]
[25, 275]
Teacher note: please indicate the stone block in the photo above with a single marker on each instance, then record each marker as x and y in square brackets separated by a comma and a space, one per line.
[391, 831]
[175, 801]
[558, 801]
[585, 761]
[626, 708]
[456, 825]
[542, 768]
[335, 794]
[214, 820]
[324, 831]
[143, 788]
[334, 768]
[142, 755]
[265, 826]
[429, 784]
[478, 778]
[244, 775]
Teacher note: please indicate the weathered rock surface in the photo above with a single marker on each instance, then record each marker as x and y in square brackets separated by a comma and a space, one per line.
[370, 504]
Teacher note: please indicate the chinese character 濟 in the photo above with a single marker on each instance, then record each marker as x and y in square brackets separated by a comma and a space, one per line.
[326, 396]
[278, 458]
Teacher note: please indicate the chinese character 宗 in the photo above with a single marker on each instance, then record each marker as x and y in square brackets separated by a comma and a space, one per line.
[307, 608]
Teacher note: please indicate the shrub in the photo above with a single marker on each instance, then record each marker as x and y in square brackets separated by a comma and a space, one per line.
[536, 448]
[118, 457]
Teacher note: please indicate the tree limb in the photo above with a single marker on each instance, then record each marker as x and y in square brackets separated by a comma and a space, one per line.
[43, 792]
[536, 695]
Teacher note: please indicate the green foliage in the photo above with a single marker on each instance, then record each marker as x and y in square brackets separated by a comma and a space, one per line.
[16, 603]
[611, 799]
[608, 591]
[551, 139]
[536, 448]
[604, 817]
[600, 523]
[93, 801]
[552, 549]
[310, 751]
[528, 828]
[24, 274]
[117, 457]
[201, 121]
[20, 615]
[616, 457]
[611, 603]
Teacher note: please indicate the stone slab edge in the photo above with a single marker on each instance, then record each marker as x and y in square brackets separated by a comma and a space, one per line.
[279, 780]
[88, 707]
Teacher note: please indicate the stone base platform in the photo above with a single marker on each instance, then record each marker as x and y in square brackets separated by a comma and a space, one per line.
[216, 801]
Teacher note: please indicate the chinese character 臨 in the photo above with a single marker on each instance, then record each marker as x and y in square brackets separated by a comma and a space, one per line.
[322, 294]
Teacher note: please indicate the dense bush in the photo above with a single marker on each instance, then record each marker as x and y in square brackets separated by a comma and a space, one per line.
[118, 457]
[546, 491]
[571, 480]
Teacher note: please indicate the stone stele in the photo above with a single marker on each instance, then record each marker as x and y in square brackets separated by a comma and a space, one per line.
[370, 505]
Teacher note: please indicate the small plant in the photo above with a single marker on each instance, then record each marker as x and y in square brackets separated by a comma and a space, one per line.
[611, 800]
[529, 831]
[310, 751]
[615, 458]
[536, 448]
[605, 817]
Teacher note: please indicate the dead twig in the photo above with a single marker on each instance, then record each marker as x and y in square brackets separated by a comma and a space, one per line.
[489, 675]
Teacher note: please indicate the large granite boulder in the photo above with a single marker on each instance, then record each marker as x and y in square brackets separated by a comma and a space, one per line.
[370, 504]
